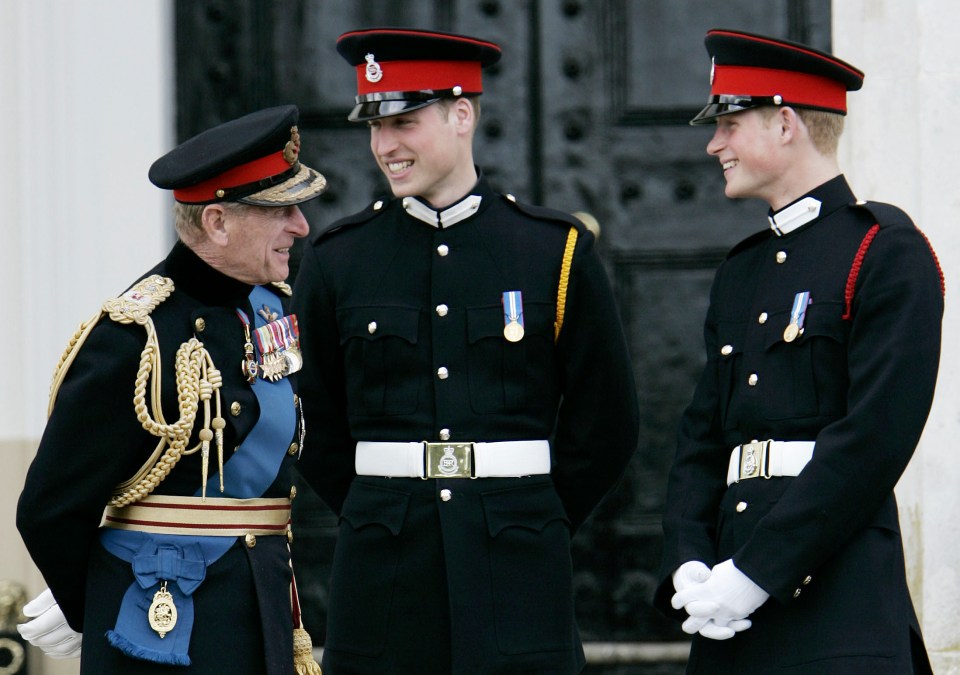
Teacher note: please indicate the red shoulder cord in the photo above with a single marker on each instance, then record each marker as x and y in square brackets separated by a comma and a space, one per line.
[858, 262]
[855, 271]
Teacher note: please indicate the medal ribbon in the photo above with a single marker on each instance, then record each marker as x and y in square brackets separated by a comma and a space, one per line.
[512, 307]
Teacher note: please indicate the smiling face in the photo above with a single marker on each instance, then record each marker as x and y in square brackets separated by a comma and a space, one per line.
[427, 152]
[256, 240]
[749, 145]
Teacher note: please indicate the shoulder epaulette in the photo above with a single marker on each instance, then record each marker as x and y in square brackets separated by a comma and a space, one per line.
[136, 304]
[374, 209]
[545, 213]
[283, 287]
[886, 215]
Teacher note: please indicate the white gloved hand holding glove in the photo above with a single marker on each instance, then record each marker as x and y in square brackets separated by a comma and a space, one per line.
[48, 628]
[719, 607]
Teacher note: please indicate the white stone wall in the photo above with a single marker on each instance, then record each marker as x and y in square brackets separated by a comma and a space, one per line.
[902, 145]
[86, 106]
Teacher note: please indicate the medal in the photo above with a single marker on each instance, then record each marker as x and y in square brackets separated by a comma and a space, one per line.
[797, 315]
[162, 614]
[512, 316]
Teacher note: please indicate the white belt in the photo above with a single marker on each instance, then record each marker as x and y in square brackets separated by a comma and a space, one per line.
[768, 458]
[453, 460]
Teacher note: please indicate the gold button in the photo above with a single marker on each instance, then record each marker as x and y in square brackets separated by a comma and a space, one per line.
[250, 540]
[753, 379]
[443, 373]
[762, 318]
[290, 536]
[726, 350]
[457, 90]
[221, 192]
[235, 408]
[443, 249]
[200, 324]
[446, 495]
[442, 310]
[293, 492]
[741, 507]
[444, 434]
[292, 450]
[781, 257]
[806, 582]
[372, 327]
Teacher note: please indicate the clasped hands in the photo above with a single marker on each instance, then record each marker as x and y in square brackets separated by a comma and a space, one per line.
[718, 601]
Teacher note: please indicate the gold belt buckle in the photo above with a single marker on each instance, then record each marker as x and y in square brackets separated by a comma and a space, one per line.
[753, 459]
[448, 460]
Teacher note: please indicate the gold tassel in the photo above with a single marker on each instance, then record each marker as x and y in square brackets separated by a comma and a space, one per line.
[303, 661]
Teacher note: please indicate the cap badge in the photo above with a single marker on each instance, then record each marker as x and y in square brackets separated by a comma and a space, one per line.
[291, 151]
[374, 71]
[713, 69]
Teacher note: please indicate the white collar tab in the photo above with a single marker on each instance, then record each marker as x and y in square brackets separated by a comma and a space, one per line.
[450, 216]
[795, 215]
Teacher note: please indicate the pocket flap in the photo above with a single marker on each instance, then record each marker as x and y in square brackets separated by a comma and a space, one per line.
[375, 322]
[372, 505]
[532, 507]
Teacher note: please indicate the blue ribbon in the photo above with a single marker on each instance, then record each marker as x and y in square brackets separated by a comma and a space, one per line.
[183, 559]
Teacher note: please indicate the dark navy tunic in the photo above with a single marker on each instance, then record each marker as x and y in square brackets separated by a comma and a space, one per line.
[481, 582]
[826, 544]
[93, 442]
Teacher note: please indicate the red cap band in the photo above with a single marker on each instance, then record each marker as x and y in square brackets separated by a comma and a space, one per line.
[251, 172]
[794, 87]
[418, 75]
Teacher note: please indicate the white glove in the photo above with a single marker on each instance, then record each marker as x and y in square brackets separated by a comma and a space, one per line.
[727, 598]
[48, 628]
[689, 574]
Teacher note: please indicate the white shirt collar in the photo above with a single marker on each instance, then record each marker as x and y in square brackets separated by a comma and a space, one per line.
[795, 215]
[450, 216]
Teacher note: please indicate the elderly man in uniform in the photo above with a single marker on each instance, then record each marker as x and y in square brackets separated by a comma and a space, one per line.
[782, 541]
[452, 333]
[174, 408]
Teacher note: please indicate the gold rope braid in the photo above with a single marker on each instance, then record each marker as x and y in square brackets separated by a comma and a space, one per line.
[197, 380]
[68, 356]
[564, 281]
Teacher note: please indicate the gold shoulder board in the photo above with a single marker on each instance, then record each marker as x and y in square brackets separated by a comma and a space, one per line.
[135, 305]
[283, 287]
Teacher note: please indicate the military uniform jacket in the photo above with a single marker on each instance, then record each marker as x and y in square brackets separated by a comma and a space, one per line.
[93, 442]
[403, 333]
[859, 382]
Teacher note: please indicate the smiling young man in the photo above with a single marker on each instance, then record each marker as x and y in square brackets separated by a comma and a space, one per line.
[452, 333]
[158, 505]
[782, 541]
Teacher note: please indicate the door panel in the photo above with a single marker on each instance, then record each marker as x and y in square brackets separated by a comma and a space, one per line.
[586, 112]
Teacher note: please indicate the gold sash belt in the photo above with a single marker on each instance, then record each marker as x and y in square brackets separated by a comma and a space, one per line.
[214, 517]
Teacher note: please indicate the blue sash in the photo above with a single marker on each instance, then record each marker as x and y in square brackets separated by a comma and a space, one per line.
[181, 560]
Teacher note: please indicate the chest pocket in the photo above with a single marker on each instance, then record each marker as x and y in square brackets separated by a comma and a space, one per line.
[379, 344]
[509, 376]
[808, 376]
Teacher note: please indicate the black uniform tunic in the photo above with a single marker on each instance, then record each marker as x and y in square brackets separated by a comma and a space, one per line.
[481, 582]
[93, 441]
[826, 544]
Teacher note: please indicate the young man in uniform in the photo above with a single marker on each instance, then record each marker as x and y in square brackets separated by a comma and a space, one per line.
[782, 541]
[174, 408]
[452, 333]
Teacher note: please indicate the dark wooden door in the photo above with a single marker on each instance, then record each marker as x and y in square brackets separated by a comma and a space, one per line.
[587, 112]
